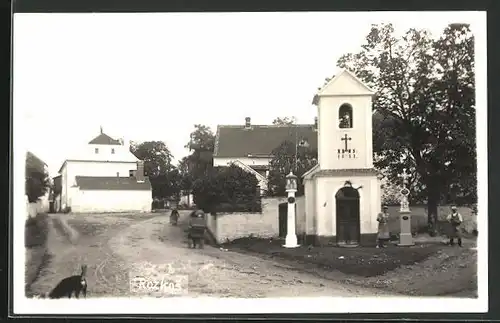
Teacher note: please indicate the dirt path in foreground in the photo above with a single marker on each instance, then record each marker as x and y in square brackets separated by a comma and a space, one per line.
[212, 272]
[112, 246]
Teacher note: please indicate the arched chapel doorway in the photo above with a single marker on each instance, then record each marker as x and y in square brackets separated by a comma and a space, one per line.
[348, 217]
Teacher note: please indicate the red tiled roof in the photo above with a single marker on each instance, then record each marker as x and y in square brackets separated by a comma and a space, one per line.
[104, 139]
[112, 183]
[259, 140]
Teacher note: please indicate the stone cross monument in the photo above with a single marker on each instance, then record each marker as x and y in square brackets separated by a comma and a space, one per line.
[405, 237]
[291, 188]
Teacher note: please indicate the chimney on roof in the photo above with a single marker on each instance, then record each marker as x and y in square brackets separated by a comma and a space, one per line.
[101, 129]
[315, 123]
[247, 122]
[139, 174]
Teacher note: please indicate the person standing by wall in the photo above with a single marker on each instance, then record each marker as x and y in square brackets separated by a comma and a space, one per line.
[383, 227]
[455, 219]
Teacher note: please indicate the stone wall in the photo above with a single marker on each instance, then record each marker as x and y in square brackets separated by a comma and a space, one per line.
[230, 226]
[32, 209]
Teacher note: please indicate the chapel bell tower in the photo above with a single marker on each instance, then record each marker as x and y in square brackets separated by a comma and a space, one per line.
[345, 123]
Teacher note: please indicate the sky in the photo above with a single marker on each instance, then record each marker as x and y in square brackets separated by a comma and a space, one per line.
[152, 76]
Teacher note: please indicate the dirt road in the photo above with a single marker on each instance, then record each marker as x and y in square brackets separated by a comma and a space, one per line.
[138, 245]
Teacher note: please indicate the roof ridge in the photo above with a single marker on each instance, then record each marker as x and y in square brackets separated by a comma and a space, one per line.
[269, 125]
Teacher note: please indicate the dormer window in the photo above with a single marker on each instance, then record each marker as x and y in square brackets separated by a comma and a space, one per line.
[112, 150]
[96, 150]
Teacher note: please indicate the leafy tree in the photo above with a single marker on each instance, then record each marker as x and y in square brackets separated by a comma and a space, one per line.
[164, 177]
[200, 161]
[285, 159]
[166, 185]
[156, 156]
[227, 189]
[37, 180]
[425, 95]
[284, 121]
[186, 177]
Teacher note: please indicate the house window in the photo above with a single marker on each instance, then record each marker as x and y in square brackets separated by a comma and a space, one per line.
[112, 150]
[345, 116]
[96, 150]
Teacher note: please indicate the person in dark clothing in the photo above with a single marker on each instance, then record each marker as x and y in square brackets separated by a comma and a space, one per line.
[196, 228]
[455, 219]
[174, 216]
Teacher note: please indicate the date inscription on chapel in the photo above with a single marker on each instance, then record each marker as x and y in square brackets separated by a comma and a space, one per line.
[346, 151]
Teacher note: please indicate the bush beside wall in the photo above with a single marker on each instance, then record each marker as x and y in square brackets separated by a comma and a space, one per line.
[35, 240]
[227, 189]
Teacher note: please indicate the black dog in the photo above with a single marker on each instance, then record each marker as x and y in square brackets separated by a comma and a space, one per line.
[74, 284]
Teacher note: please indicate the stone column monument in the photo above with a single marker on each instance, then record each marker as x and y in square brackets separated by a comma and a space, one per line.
[405, 237]
[291, 188]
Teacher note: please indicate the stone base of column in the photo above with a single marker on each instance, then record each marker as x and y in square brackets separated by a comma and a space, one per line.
[405, 240]
[291, 242]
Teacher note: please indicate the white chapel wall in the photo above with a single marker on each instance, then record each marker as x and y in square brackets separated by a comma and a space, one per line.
[310, 213]
[360, 134]
[326, 203]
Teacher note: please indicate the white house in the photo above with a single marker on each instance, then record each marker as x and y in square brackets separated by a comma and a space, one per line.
[250, 146]
[343, 191]
[104, 176]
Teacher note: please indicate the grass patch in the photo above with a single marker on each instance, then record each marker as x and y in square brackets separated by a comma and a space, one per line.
[360, 261]
[40, 258]
[426, 269]
[450, 272]
[36, 232]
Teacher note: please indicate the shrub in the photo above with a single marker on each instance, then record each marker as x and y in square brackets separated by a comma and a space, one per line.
[227, 189]
[36, 178]
[36, 231]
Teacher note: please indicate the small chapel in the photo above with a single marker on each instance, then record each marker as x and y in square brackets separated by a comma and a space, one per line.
[343, 191]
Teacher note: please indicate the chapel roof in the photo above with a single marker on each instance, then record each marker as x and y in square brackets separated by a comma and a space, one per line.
[112, 183]
[260, 140]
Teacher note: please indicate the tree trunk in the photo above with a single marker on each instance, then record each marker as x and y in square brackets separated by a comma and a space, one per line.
[432, 207]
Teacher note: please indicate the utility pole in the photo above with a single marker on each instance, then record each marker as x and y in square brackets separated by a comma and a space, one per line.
[296, 144]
